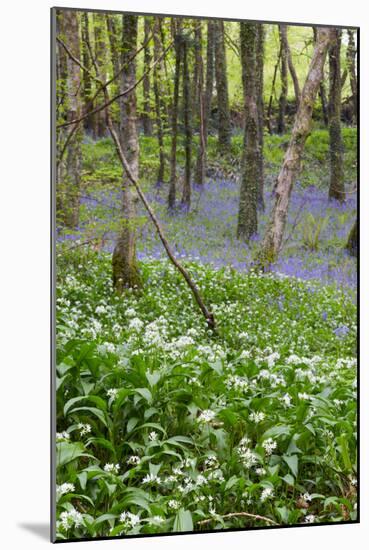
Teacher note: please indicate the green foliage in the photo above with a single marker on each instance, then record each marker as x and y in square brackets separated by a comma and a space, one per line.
[162, 425]
[312, 229]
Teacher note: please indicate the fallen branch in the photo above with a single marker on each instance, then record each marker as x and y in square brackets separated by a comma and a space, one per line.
[238, 514]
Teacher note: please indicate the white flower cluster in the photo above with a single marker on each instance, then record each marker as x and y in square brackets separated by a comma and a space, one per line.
[206, 416]
[84, 428]
[133, 460]
[246, 455]
[269, 446]
[62, 436]
[152, 478]
[111, 468]
[173, 504]
[70, 518]
[112, 393]
[129, 520]
[236, 382]
[266, 494]
[257, 417]
[64, 489]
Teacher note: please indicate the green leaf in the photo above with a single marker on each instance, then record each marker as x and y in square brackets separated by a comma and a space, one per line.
[183, 521]
[292, 461]
[145, 393]
[153, 377]
[66, 452]
[99, 414]
[345, 452]
[290, 480]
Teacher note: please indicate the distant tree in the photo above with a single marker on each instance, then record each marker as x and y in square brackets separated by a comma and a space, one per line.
[146, 117]
[336, 184]
[352, 241]
[292, 69]
[272, 241]
[178, 45]
[86, 77]
[351, 64]
[200, 106]
[224, 120]
[99, 27]
[284, 79]
[247, 213]
[124, 262]
[69, 168]
[159, 106]
[186, 193]
[209, 85]
[322, 92]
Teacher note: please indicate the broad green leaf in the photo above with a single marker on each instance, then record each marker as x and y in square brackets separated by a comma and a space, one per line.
[292, 461]
[183, 521]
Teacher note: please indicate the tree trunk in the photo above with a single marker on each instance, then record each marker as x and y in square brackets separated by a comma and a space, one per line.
[351, 54]
[270, 104]
[173, 154]
[336, 184]
[272, 241]
[209, 75]
[260, 38]
[200, 105]
[125, 270]
[86, 82]
[247, 214]
[70, 169]
[352, 241]
[322, 93]
[293, 73]
[158, 92]
[186, 194]
[146, 117]
[100, 54]
[224, 121]
[115, 55]
[284, 79]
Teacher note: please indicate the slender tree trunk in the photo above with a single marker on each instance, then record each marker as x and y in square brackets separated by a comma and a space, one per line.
[293, 73]
[158, 92]
[336, 184]
[260, 38]
[272, 241]
[146, 118]
[270, 104]
[247, 214]
[86, 78]
[124, 262]
[224, 120]
[178, 39]
[100, 54]
[71, 170]
[284, 79]
[351, 54]
[115, 55]
[200, 105]
[186, 194]
[322, 92]
[209, 75]
[352, 241]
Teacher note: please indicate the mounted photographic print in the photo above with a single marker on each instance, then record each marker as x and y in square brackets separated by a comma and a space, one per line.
[204, 289]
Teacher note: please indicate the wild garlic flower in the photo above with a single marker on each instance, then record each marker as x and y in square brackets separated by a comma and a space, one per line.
[266, 494]
[306, 497]
[269, 445]
[112, 393]
[62, 436]
[151, 478]
[130, 520]
[111, 468]
[257, 417]
[310, 518]
[70, 518]
[64, 489]
[173, 504]
[153, 436]
[206, 416]
[133, 460]
[84, 428]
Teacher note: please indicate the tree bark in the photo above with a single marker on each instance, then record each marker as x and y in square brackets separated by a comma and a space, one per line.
[336, 184]
[200, 105]
[259, 57]
[86, 81]
[158, 92]
[272, 241]
[209, 86]
[70, 169]
[270, 104]
[178, 39]
[146, 117]
[186, 193]
[293, 73]
[224, 120]
[247, 213]
[100, 54]
[284, 79]
[124, 262]
[352, 241]
[322, 92]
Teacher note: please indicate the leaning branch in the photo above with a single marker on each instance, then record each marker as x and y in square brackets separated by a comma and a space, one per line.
[238, 515]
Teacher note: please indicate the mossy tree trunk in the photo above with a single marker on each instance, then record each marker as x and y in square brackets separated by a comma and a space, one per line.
[99, 26]
[336, 184]
[322, 92]
[209, 85]
[284, 79]
[87, 81]
[125, 270]
[114, 41]
[159, 107]
[224, 120]
[259, 57]
[247, 213]
[352, 241]
[186, 192]
[69, 172]
[146, 117]
[272, 241]
[178, 41]
[200, 170]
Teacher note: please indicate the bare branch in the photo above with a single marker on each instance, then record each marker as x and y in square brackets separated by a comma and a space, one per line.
[238, 514]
